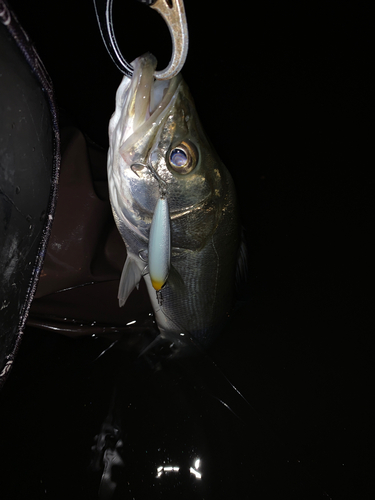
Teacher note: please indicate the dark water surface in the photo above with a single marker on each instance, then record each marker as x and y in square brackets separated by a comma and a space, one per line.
[284, 96]
[123, 426]
[75, 424]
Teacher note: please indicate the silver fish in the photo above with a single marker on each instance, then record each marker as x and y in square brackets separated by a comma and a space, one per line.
[174, 204]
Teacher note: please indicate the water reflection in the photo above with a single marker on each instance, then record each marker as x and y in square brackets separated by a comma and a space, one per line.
[162, 469]
[197, 474]
[176, 426]
[137, 416]
[153, 429]
[165, 469]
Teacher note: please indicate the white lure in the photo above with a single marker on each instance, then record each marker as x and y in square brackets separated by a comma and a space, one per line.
[159, 245]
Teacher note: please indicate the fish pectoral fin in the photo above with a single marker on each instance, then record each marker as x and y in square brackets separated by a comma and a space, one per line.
[130, 278]
[175, 280]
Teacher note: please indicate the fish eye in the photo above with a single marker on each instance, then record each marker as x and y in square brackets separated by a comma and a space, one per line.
[183, 158]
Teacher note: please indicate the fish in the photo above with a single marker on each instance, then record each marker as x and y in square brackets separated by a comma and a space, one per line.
[174, 204]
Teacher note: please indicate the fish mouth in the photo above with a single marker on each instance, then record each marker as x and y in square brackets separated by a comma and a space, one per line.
[147, 92]
[148, 102]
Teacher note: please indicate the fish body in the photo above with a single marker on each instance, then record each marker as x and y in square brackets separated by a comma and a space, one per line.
[165, 176]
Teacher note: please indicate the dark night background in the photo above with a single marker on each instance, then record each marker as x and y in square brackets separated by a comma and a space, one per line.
[284, 94]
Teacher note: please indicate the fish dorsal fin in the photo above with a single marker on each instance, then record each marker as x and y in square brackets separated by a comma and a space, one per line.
[130, 278]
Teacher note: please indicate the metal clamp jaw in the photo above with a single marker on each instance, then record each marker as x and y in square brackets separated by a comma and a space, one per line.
[172, 11]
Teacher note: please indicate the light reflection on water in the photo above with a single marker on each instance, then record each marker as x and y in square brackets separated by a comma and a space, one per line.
[176, 424]
[136, 416]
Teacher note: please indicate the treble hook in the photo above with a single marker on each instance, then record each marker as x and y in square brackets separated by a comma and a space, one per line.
[173, 13]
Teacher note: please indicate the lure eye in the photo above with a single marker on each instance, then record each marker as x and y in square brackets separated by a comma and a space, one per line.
[183, 158]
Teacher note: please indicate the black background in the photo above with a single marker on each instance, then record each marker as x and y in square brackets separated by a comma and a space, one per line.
[284, 92]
